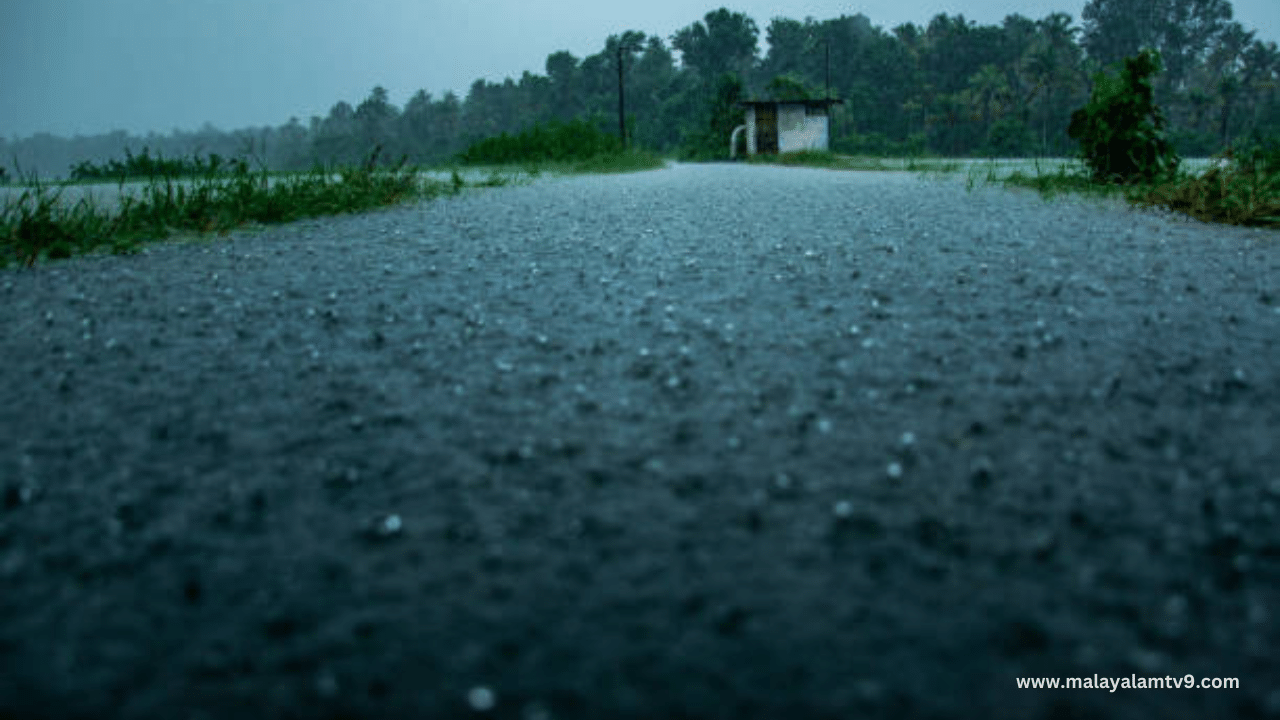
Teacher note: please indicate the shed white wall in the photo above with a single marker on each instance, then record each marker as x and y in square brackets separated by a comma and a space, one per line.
[797, 130]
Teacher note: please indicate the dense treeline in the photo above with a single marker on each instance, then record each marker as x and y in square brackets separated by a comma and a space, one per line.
[951, 87]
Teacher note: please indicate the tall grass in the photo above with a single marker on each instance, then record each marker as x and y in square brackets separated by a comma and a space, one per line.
[143, 165]
[37, 224]
[1238, 191]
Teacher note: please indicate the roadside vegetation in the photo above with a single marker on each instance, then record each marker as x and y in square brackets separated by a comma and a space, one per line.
[1125, 151]
[37, 224]
[576, 146]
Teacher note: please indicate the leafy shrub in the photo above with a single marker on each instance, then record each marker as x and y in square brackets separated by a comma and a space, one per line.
[1121, 131]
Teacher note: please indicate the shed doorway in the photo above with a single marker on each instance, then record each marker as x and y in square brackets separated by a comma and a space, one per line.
[767, 129]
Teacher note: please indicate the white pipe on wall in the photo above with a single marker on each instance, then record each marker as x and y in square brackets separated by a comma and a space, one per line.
[733, 141]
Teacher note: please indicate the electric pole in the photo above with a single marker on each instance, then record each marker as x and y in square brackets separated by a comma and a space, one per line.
[826, 95]
[622, 116]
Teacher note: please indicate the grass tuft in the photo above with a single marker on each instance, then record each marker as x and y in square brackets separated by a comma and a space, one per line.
[1242, 193]
[1233, 196]
[37, 225]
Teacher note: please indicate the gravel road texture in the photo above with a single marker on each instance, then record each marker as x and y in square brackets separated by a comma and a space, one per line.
[714, 441]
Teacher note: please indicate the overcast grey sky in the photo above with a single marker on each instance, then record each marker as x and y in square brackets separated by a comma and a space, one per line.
[90, 66]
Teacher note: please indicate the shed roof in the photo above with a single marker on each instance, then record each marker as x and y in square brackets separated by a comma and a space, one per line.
[812, 102]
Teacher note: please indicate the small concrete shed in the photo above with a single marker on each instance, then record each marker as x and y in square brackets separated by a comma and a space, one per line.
[781, 126]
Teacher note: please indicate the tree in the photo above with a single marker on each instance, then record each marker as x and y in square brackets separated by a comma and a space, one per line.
[336, 140]
[562, 72]
[790, 49]
[651, 82]
[1181, 30]
[724, 42]
[1051, 65]
[720, 115]
[1121, 130]
[292, 150]
[375, 119]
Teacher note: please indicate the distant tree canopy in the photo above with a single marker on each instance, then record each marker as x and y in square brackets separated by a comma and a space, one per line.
[948, 87]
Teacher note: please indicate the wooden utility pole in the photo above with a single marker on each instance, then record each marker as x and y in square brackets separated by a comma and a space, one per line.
[622, 115]
[826, 95]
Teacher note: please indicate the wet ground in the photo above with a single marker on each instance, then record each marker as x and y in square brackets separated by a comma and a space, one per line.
[706, 442]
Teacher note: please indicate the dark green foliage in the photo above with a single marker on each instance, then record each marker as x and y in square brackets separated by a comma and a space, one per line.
[945, 86]
[723, 42]
[145, 166]
[1244, 193]
[1008, 137]
[789, 87]
[1245, 190]
[554, 141]
[1121, 131]
[1231, 195]
[721, 113]
[1259, 155]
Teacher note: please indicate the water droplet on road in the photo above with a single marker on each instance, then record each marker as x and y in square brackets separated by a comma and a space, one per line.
[391, 525]
[481, 698]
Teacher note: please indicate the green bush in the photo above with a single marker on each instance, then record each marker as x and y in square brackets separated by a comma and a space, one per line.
[576, 140]
[1121, 131]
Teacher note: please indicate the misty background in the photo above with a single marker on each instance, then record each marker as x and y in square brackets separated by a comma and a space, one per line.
[296, 82]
